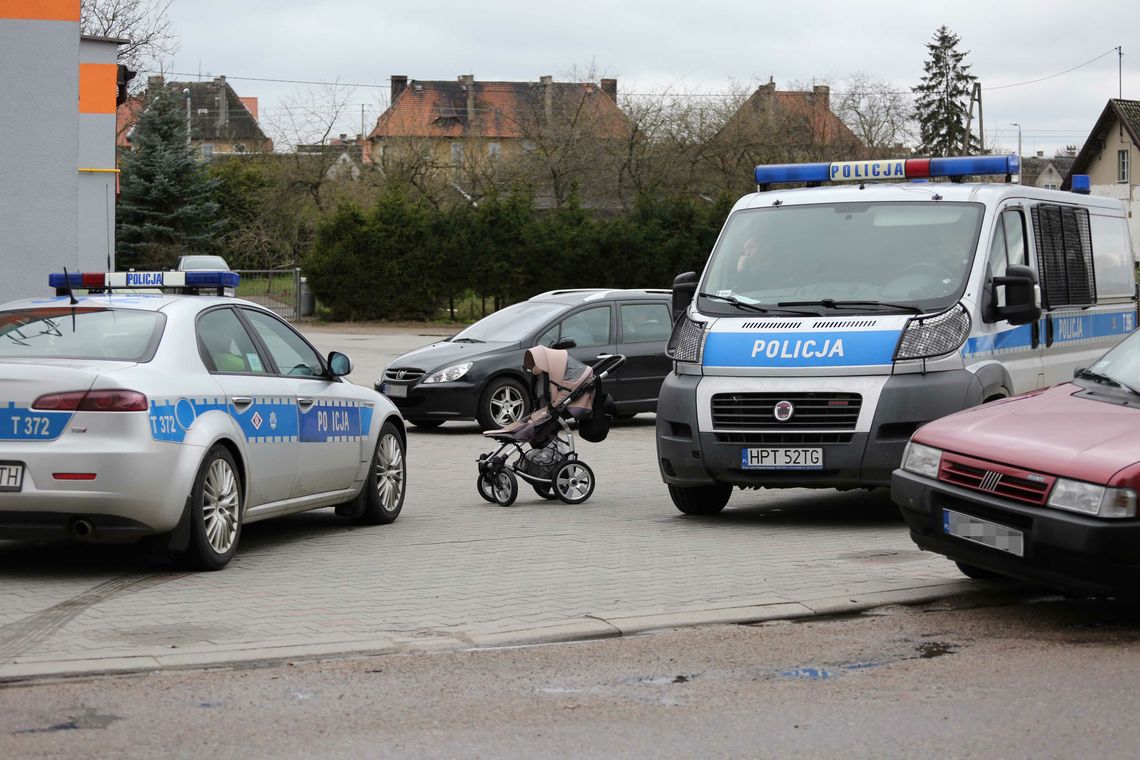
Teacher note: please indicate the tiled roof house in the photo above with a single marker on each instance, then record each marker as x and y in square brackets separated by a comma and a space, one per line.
[1110, 155]
[463, 122]
[798, 125]
[221, 122]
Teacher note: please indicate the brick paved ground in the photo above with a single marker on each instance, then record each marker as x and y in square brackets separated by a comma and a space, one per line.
[454, 570]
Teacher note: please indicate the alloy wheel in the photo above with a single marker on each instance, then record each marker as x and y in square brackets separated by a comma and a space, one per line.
[221, 504]
[390, 471]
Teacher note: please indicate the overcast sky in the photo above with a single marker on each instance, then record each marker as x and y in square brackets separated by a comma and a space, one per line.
[696, 47]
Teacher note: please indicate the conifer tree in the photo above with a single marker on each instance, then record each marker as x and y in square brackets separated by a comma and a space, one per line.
[942, 98]
[166, 207]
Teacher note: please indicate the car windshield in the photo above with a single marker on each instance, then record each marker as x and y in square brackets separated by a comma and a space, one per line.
[202, 262]
[510, 324]
[1121, 364]
[80, 333]
[912, 253]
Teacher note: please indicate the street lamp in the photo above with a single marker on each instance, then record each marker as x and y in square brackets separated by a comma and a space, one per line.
[1015, 124]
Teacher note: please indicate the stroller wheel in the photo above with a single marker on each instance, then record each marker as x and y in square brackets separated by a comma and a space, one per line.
[499, 487]
[546, 492]
[573, 481]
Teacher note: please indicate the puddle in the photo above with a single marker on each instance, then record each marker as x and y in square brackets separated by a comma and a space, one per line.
[928, 650]
[87, 719]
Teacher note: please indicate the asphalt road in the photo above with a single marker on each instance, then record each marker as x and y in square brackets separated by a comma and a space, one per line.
[1046, 678]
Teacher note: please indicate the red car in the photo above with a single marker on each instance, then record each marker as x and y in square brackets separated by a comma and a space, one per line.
[1040, 487]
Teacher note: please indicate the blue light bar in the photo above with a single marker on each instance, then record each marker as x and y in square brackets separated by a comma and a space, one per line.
[964, 166]
[888, 169]
[1081, 184]
[177, 281]
[781, 173]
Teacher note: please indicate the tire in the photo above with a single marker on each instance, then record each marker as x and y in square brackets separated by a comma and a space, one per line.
[977, 573]
[485, 485]
[503, 402]
[546, 492]
[387, 480]
[505, 488]
[426, 424]
[216, 504]
[701, 500]
[573, 481]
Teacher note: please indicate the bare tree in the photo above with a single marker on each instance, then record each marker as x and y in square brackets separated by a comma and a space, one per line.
[143, 23]
[879, 114]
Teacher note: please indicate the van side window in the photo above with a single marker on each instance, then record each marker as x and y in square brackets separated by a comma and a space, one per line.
[1064, 255]
[1013, 224]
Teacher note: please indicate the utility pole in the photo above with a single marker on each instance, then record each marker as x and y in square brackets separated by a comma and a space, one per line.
[975, 97]
[186, 92]
[1015, 124]
[1119, 72]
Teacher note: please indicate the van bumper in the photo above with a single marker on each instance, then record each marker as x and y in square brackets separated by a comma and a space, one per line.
[688, 456]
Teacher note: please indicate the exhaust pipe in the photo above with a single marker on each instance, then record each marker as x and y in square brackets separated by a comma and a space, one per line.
[82, 528]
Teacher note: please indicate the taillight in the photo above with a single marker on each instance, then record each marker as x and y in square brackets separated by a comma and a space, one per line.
[93, 401]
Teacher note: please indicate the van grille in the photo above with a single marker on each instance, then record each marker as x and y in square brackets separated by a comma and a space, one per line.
[999, 480]
[783, 439]
[813, 411]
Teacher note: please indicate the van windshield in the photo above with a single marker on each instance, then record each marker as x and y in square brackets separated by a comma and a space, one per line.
[912, 253]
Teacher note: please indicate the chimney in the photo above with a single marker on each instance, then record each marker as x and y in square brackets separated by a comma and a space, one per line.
[155, 82]
[822, 92]
[468, 81]
[1041, 154]
[547, 96]
[399, 84]
[223, 102]
[609, 87]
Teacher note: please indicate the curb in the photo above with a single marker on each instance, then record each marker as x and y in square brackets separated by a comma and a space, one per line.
[577, 629]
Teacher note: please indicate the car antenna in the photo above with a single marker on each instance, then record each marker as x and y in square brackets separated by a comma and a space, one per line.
[67, 283]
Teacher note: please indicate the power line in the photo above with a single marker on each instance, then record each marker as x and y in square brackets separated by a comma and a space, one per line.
[1051, 76]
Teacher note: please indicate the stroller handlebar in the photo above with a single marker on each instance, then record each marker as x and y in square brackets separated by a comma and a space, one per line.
[607, 363]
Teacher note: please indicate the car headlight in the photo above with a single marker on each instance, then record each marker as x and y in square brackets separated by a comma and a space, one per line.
[925, 337]
[454, 372]
[922, 460]
[1091, 499]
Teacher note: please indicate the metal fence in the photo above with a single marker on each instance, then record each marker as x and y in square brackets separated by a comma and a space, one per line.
[276, 289]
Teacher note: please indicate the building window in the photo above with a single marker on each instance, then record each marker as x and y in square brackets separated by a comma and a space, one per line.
[1122, 166]
[456, 153]
[1050, 186]
[494, 150]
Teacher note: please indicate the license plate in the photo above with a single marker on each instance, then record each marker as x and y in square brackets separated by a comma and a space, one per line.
[11, 476]
[781, 459]
[983, 532]
[395, 391]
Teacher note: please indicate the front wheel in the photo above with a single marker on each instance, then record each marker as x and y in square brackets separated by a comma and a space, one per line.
[504, 402]
[215, 511]
[384, 487]
[701, 500]
[573, 481]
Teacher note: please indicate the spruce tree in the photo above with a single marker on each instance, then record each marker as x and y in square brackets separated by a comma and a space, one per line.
[166, 207]
[942, 102]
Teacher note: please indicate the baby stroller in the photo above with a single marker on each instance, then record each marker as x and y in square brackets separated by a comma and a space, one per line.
[540, 448]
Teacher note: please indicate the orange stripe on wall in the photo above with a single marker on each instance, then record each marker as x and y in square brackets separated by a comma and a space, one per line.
[40, 10]
[98, 86]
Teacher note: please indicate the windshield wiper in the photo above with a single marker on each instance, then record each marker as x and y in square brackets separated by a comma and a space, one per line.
[1097, 377]
[466, 340]
[754, 307]
[831, 303]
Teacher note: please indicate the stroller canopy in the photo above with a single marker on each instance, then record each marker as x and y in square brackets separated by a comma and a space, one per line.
[563, 371]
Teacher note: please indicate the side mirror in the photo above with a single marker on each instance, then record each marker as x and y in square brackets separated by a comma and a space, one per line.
[564, 344]
[1021, 299]
[339, 364]
[684, 288]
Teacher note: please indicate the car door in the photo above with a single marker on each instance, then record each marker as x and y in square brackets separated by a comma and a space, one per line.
[645, 328]
[259, 402]
[591, 328]
[329, 432]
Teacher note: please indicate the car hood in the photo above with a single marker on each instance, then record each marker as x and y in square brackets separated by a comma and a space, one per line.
[445, 353]
[1054, 431]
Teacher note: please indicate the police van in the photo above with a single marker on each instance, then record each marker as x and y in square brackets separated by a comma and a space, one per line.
[831, 321]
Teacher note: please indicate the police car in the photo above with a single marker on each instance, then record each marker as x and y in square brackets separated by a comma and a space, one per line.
[831, 322]
[151, 405]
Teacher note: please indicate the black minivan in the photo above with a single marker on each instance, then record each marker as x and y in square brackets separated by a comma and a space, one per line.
[478, 373]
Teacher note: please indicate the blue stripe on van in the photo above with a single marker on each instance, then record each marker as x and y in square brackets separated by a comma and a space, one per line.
[1067, 328]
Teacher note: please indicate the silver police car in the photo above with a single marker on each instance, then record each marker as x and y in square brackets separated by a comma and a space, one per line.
[180, 414]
